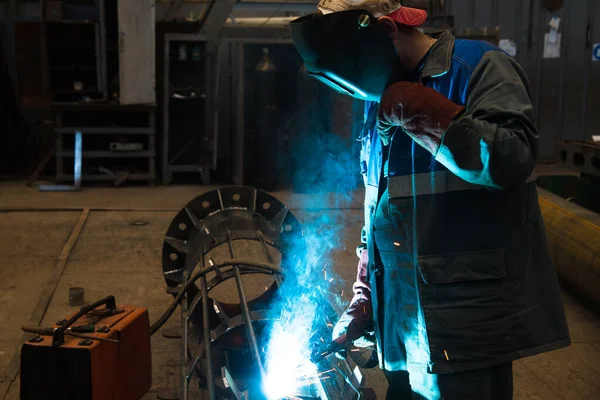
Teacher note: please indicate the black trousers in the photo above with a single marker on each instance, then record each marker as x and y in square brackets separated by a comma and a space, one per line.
[494, 383]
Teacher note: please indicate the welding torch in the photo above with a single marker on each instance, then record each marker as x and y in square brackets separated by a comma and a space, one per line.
[341, 347]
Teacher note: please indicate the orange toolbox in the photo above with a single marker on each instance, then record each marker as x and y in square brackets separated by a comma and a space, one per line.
[102, 352]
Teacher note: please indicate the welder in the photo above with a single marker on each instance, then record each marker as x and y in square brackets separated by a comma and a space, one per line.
[455, 277]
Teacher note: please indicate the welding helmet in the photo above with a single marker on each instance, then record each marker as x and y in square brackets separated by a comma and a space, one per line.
[347, 48]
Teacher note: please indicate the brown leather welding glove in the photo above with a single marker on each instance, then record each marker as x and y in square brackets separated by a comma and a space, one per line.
[423, 113]
[358, 318]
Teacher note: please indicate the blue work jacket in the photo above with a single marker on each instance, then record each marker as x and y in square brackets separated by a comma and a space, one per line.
[460, 237]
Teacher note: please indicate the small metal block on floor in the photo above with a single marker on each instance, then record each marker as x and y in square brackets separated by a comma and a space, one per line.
[173, 290]
[76, 296]
[61, 322]
[85, 342]
[103, 329]
[168, 393]
[138, 223]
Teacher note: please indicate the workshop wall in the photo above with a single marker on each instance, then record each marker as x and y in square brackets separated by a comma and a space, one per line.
[565, 89]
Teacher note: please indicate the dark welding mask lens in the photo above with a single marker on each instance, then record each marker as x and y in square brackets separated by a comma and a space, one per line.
[332, 83]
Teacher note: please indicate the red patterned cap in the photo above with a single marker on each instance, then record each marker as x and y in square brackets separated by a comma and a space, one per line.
[379, 8]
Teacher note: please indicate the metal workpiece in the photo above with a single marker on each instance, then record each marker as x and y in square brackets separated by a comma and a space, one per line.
[225, 256]
[583, 157]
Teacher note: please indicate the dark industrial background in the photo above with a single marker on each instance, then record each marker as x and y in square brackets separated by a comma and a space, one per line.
[34, 44]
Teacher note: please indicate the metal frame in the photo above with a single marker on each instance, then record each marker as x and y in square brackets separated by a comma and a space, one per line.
[211, 108]
[223, 217]
[583, 157]
[77, 158]
[148, 131]
[238, 137]
[216, 16]
[101, 57]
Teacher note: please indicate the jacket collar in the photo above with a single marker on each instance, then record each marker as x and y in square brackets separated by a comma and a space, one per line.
[439, 59]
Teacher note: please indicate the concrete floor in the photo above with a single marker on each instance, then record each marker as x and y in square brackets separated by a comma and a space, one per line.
[111, 256]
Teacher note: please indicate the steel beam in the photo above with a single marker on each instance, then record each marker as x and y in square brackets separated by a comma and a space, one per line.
[216, 16]
[279, 7]
[583, 157]
[257, 34]
[173, 8]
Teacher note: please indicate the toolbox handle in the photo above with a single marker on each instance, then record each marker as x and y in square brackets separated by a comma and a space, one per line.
[58, 338]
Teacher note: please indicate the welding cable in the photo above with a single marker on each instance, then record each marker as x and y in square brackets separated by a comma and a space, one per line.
[169, 312]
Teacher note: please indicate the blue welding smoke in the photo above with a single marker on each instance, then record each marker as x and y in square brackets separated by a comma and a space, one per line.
[326, 172]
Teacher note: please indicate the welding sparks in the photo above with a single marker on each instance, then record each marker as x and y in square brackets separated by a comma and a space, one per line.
[288, 363]
[299, 327]
[288, 367]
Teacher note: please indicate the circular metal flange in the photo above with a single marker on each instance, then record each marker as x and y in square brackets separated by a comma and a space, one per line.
[203, 224]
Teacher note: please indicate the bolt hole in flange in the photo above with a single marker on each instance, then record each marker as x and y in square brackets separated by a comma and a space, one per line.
[266, 205]
[578, 159]
[563, 156]
[236, 197]
[173, 256]
[205, 204]
[182, 227]
[288, 228]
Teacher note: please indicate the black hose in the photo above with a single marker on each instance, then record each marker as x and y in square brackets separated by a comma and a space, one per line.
[169, 311]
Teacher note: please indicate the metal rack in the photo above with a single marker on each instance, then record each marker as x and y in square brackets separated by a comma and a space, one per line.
[90, 120]
[197, 147]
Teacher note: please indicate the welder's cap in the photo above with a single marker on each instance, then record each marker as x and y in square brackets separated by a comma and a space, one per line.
[378, 8]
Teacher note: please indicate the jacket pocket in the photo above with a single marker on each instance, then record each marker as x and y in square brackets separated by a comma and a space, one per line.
[468, 306]
[463, 267]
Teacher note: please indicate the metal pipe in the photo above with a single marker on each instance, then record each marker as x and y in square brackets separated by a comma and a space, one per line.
[78, 157]
[238, 133]
[76, 169]
[184, 339]
[207, 342]
[210, 379]
[259, 21]
[217, 105]
[261, 239]
[245, 309]
[574, 238]
[248, 320]
[44, 48]
[102, 70]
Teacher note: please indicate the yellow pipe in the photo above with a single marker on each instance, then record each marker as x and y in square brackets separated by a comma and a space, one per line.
[574, 239]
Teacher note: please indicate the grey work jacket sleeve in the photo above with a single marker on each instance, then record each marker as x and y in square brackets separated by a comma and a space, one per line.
[494, 142]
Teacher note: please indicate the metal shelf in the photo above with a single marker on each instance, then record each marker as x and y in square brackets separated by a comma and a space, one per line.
[104, 131]
[109, 154]
[145, 156]
[194, 158]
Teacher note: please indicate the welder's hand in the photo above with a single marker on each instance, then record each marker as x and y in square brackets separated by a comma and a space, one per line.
[357, 320]
[354, 324]
[423, 113]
